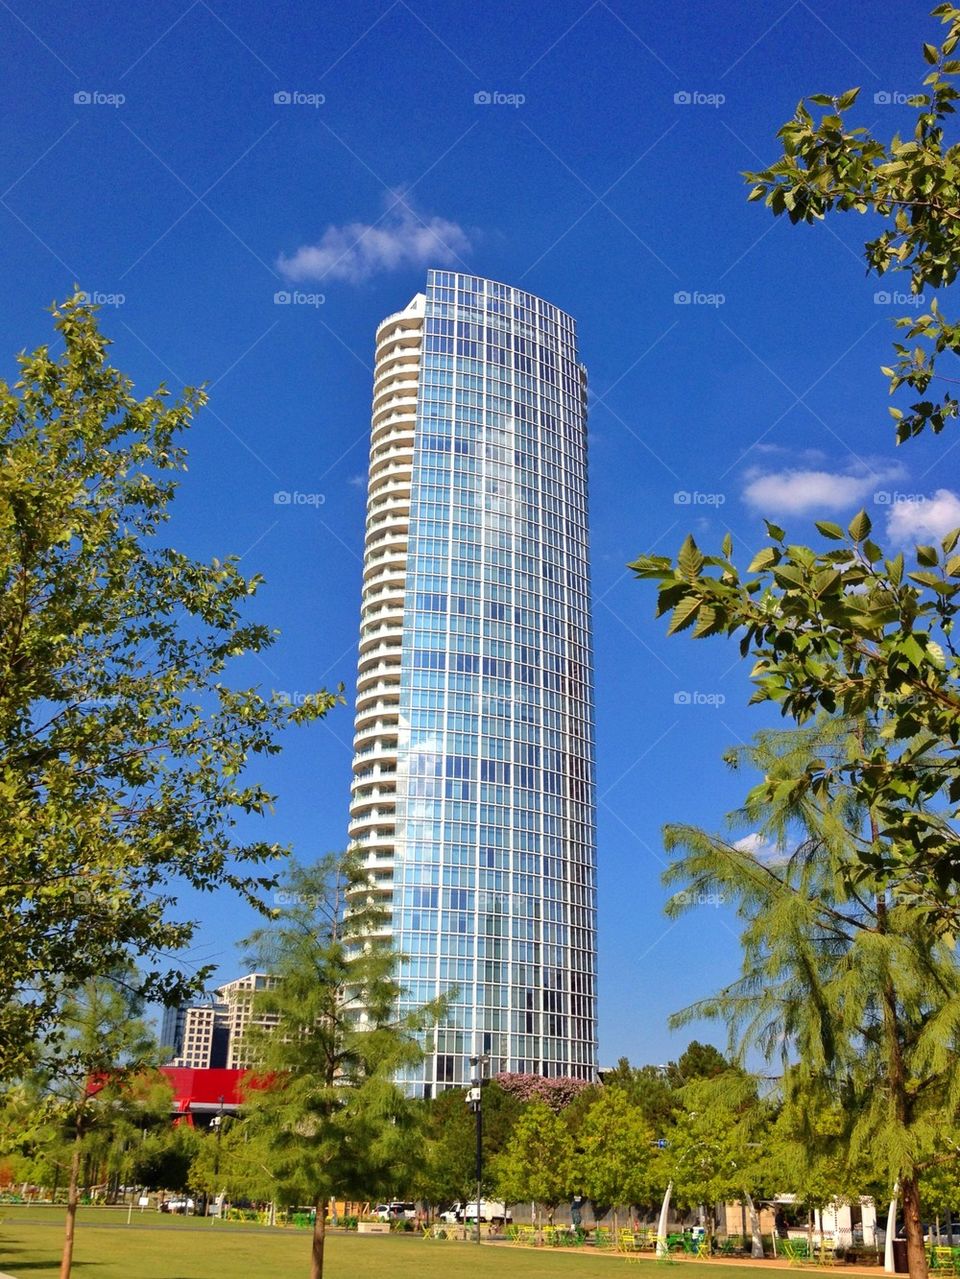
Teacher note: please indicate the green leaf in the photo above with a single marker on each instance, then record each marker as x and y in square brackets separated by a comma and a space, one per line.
[847, 99]
[684, 614]
[689, 559]
[764, 559]
[833, 531]
[931, 53]
[860, 526]
[774, 531]
[927, 555]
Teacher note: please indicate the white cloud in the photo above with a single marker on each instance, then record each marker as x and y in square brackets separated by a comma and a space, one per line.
[919, 517]
[793, 492]
[358, 250]
[762, 849]
[803, 455]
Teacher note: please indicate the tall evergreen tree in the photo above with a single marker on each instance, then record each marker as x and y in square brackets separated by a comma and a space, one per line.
[325, 1109]
[844, 980]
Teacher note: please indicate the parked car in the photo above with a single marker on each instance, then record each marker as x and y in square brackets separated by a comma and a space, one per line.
[180, 1203]
[490, 1210]
[395, 1210]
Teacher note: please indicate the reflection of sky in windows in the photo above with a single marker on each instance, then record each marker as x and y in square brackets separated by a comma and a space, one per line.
[495, 853]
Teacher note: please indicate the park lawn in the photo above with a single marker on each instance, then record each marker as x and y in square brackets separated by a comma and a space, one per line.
[160, 1248]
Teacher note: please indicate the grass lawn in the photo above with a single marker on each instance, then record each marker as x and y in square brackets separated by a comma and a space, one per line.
[160, 1247]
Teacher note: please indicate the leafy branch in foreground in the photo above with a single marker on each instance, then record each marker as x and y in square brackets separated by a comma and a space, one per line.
[913, 184]
[851, 630]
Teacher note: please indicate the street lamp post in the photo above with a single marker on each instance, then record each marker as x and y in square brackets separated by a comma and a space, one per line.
[216, 1156]
[474, 1102]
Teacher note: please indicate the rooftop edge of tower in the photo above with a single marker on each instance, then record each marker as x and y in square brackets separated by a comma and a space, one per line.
[415, 308]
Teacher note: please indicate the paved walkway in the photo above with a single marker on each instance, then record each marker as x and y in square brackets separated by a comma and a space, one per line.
[768, 1263]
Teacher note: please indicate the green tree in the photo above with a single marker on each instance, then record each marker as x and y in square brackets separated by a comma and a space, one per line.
[328, 1114]
[124, 754]
[718, 1147]
[849, 631]
[810, 1151]
[845, 625]
[163, 1158]
[911, 185]
[615, 1147]
[843, 980]
[649, 1088]
[448, 1171]
[94, 1087]
[537, 1165]
[697, 1061]
[235, 1160]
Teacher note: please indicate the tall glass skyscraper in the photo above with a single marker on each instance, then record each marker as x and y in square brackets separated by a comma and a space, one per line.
[473, 793]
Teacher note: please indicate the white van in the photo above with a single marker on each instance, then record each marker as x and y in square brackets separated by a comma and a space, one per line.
[395, 1211]
[490, 1210]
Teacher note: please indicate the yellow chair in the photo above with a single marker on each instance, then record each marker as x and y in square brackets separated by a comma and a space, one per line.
[944, 1260]
[827, 1253]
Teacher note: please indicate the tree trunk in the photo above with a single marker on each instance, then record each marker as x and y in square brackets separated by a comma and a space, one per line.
[913, 1227]
[756, 1238]
[319, 1236]
[70, 1224]
[901, 1105]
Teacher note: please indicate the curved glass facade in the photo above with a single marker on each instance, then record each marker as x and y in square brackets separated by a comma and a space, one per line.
[489, 854]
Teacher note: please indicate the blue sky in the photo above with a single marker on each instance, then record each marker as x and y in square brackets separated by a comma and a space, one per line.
[144, 155]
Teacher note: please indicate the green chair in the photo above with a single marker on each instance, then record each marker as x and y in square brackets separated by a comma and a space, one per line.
[795, 1251]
